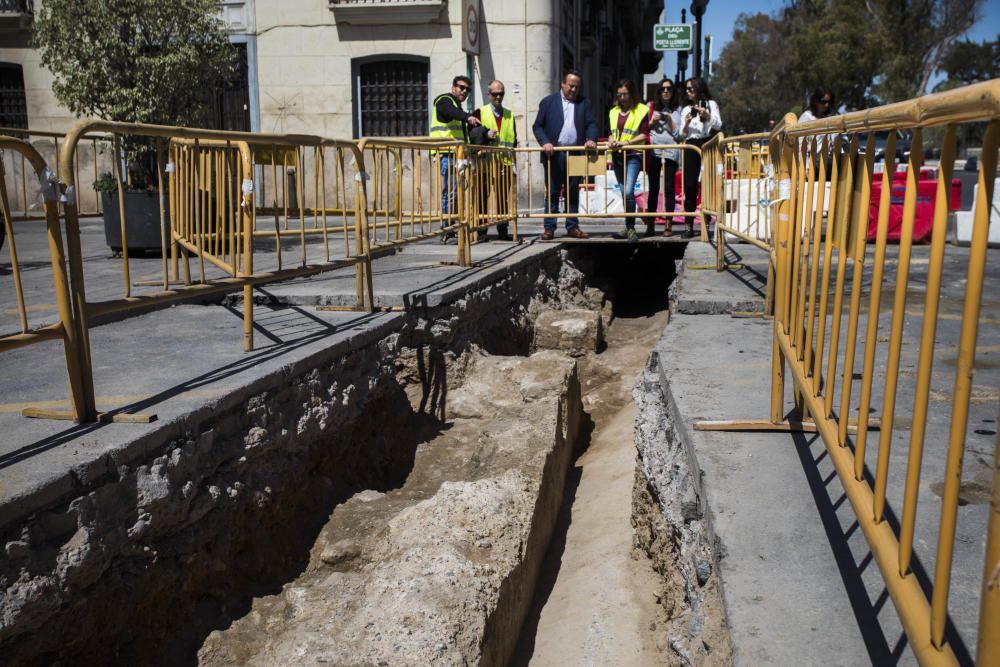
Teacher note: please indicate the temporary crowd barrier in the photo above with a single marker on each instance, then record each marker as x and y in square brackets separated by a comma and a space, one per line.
[25, 197]
[588, 181]
[824, 271]
[27, 331]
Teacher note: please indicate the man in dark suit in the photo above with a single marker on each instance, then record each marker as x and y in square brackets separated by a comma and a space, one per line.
[564, 119]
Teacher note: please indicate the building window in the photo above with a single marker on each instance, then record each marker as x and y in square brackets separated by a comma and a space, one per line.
[390, 96]
[13, 104]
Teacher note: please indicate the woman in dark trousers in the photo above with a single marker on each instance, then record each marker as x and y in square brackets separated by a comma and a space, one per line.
[699, 121]
[664, 126]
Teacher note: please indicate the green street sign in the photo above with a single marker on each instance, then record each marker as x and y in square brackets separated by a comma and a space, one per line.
[675, 37]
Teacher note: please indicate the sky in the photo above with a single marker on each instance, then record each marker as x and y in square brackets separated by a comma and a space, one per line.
[721, 15]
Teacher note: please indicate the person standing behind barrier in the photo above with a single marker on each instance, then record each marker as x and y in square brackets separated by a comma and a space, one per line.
[700, 120]
[565, 118]
[628, 124]
[664, 126]
[821, 105]
[503, 133]
[450, 123]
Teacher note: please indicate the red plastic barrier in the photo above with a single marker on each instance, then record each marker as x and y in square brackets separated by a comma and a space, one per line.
[923, 222]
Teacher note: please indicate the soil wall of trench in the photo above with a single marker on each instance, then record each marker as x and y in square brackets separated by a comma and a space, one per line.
[149, 563]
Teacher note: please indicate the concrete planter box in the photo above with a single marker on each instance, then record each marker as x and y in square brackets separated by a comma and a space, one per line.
[142, 220]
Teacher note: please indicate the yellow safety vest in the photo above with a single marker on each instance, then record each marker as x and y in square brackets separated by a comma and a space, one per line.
[451, 129]
[632, 123]
[506, 138]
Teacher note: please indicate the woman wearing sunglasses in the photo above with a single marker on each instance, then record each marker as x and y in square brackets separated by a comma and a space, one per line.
[821, 105]
[701, 119]
[664, 123]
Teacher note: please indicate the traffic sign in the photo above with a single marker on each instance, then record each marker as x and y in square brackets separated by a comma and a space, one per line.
[471, 26]
[671, 37]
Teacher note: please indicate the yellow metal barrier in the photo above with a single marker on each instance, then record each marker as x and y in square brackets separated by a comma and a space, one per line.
[493, 189]
[210, 183]
[93, 159]
[423, 188]
[818, 240]
[594, 169]
[63, 329]
[736, 189]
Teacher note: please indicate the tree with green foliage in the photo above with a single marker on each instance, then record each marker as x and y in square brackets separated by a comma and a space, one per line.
[827, 48]
[748, 83]
[968, 62]
[147, 61]
[913, 36]
[869, 52]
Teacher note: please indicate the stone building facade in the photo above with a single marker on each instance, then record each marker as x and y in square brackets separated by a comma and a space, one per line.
[348, 68]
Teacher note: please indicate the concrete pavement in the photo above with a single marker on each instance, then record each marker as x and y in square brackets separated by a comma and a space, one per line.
[799, 583]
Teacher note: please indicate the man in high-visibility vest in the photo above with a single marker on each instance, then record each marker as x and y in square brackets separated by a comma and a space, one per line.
[500, 171]
[450, 122]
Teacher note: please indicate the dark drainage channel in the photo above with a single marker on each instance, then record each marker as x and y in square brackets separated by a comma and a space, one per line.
[160, 559]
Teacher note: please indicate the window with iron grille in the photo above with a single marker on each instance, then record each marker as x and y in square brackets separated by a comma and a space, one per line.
[13, 105]
[390, 96]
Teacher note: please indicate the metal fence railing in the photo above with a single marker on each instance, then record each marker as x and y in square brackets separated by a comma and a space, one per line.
[32, 325]
[24, 195]
[848, 348]
[737, 192]
[203, 214]
[587, 187]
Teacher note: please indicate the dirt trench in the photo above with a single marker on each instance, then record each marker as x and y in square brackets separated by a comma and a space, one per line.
[420, 500]
[598, 599]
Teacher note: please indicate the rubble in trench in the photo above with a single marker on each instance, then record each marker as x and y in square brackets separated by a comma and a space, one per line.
[440, 570]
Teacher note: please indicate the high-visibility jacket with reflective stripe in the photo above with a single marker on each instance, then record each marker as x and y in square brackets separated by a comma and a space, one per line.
[506, 137]
[632, 123]
[450, 129]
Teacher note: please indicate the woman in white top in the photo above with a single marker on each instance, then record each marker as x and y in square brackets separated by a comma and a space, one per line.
[664, 128]
[700, 120]
[821, 105]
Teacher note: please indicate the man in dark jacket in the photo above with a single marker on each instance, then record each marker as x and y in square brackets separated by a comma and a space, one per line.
[564, 119]
[450, 122]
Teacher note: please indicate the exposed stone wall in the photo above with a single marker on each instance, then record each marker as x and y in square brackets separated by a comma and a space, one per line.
[171, 541]
[672, 527]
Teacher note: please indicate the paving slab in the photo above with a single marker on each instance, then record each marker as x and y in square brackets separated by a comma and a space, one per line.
[701, 290]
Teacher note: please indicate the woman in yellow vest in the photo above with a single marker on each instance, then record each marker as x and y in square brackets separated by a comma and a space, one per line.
[628, 125]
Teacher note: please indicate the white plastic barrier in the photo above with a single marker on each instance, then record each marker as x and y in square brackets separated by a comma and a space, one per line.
[962, 231]
[605, 196]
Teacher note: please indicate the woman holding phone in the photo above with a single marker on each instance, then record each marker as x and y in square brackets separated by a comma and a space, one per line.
[700, 120]
[664, 128]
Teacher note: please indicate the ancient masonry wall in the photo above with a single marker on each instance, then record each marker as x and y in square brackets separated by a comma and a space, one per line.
[673, 525]
[142, 557]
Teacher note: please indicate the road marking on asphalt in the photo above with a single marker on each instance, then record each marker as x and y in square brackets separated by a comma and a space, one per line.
[30, 309]
[105, 403]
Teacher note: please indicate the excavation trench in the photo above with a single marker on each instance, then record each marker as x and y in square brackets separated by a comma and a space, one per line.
[460, 494]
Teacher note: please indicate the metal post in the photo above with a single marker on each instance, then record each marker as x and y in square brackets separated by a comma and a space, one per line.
[698, 11]
[682, 56]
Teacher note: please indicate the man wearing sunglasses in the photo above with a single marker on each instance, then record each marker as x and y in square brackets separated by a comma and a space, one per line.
[502, 132]
[451, 122]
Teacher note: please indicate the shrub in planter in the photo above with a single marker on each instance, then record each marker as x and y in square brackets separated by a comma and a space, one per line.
[142, 215]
